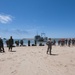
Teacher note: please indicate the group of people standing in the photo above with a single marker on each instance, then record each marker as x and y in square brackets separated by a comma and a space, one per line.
[49, 43]
[21, 43]
[10, 44]
[61, 42]
[68, 42]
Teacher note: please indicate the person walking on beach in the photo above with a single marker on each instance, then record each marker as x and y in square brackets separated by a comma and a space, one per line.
[1, 45]
[49, 44]
[11, 42]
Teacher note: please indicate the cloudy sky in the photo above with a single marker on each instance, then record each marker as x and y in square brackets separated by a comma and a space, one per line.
[26, 18]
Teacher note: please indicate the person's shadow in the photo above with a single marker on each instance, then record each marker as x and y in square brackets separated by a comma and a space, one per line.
[54, 54]
[13, 51]
[2, 52]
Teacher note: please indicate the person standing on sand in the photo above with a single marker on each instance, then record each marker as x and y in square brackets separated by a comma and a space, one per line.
[54, 43]
[69, 42]
[11, 42]
[21, 42]
[28, 42]
[49, 44]
[1, 45]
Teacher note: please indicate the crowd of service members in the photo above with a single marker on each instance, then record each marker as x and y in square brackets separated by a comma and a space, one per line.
[10, 43]
[68, 42]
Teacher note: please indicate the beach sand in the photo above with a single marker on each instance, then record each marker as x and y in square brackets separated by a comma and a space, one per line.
[35, 61]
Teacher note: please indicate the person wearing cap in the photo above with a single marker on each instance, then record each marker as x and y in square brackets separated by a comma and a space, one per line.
[1, 45]
[49, 44]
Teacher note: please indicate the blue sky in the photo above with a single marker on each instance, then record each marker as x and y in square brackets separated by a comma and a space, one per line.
[24, 18]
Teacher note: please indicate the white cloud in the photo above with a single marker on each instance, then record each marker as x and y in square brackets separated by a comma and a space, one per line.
[18, 33]
[14, 31]
[5, 18]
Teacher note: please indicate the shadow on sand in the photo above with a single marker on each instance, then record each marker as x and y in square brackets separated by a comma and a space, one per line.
[53, 54]
[13, 51]
[2, 52]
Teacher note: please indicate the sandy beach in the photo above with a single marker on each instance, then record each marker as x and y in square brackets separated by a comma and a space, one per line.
[35, 61]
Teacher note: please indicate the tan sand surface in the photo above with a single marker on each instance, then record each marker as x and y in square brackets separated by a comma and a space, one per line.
[35, 61]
